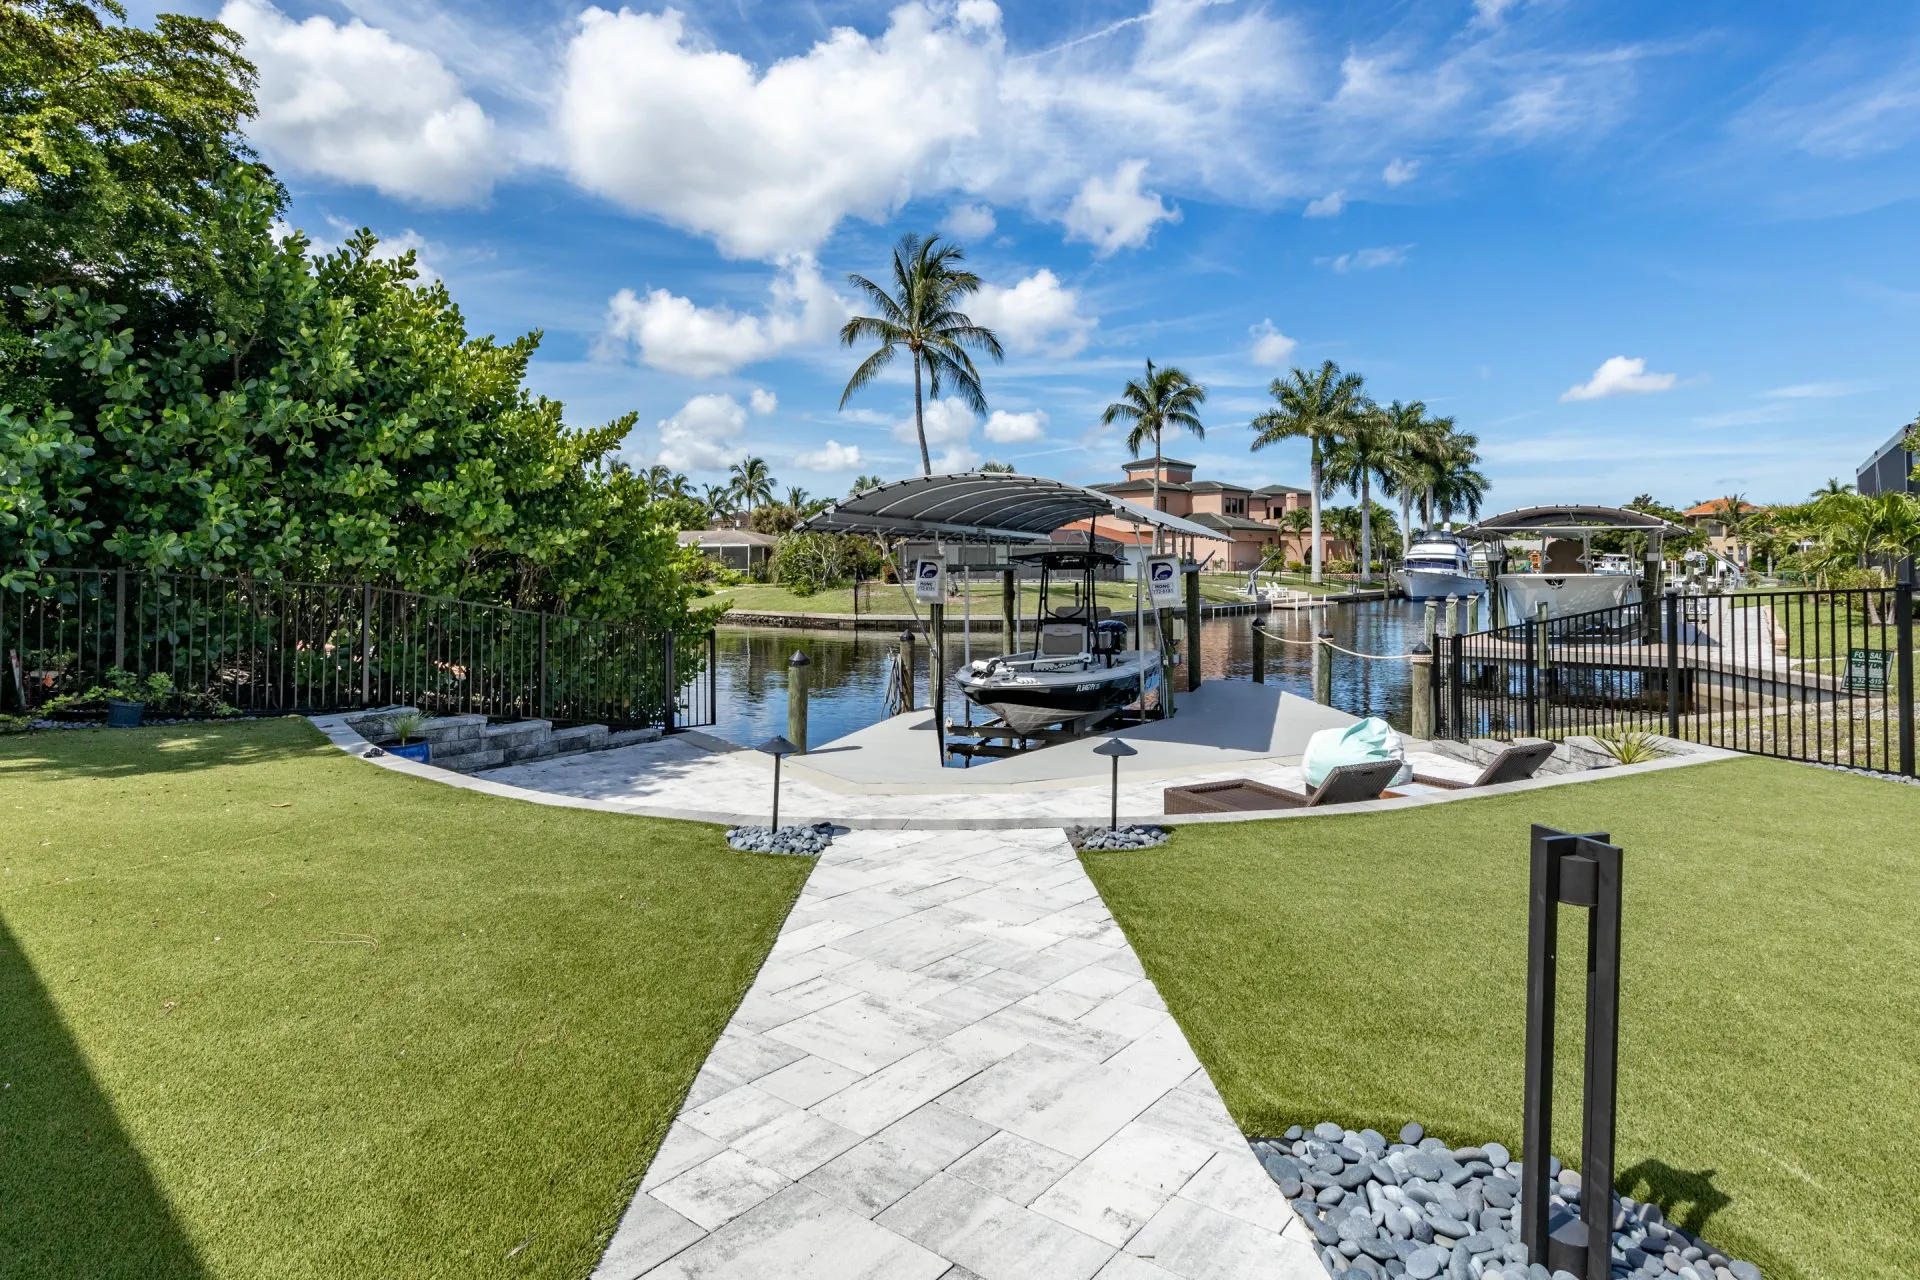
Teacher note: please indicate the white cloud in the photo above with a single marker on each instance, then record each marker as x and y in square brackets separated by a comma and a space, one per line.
[957, 458]
[1400, 172]
[762, 401]
[948, 422]
[674, 334]
[704, 435]
[1815, 390]
[768, 162]
[1386, 255]
[1327, 206]
[354, 104]
[1116, 213]
[1270, 346]
[1016, 428]
[1037, 313]
[969, 221]
[1488, 12]
[1620, 376]
[833, 456]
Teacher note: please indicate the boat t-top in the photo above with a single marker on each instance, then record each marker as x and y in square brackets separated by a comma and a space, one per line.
[1569, 577]
[1080, 670]
[1439, 564]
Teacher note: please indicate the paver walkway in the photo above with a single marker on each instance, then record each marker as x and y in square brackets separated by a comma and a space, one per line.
[953, 1066]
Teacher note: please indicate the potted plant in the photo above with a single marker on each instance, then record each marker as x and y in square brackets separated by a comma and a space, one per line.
[406, 726]
[126, 697]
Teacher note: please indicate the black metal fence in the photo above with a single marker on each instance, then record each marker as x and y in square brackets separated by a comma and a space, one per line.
[1817, 675]
[316, 647]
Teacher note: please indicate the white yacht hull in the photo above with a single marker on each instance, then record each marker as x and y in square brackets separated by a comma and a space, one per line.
[1521, 594]
[1438, 584]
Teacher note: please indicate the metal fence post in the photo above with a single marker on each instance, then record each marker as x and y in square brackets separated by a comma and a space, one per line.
[713, 677]
[543, 666]
[1456, 685]
[673, 688]
[1903, 661]
[1672, 627]
[366, 644]
[120, 618]
[1533, 677]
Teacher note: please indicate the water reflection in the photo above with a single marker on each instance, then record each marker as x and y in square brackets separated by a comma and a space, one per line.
[847, 678]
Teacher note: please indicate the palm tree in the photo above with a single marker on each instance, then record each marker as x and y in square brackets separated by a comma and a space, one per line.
[718, 500]
[1367, 452]
[919, 315]
[752, 481]
[1319, 407]
[996, 468]
[1164, 398]
[1407, 473]
[863, 483]
[1831, 487]
[798, 498]
[1459, 487]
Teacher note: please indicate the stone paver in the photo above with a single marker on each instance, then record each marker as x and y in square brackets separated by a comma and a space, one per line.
[952, 1066]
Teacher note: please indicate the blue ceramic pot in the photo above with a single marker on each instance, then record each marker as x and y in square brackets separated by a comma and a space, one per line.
[124, 715]
[419, 752]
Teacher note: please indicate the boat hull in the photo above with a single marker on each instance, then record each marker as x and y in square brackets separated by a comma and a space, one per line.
[1065, 699]
[1438, 584]
[1521, 594]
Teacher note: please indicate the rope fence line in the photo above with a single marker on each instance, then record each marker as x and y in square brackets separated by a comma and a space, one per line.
[1352, 653]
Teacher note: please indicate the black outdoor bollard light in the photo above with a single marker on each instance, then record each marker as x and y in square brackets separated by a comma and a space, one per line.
[1113, 749]
[1580, 871]
[776, 747]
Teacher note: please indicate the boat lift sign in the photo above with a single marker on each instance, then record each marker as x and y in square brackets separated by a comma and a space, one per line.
[1163, 582]
[930, 581]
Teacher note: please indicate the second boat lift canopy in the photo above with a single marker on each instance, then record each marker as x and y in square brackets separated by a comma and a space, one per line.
[1574, 520]
[989, 506]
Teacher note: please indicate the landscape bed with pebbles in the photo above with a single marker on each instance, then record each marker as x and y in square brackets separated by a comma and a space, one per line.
[804, 841]
[1132, 837]
[1419, 1208]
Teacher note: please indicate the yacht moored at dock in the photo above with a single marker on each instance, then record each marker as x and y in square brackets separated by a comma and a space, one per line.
[1438, 564]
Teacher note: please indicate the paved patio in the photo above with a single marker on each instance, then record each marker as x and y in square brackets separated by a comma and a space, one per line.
[953, 1066]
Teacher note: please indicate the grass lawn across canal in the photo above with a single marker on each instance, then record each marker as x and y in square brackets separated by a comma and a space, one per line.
[1371, 969]
[267, 1010]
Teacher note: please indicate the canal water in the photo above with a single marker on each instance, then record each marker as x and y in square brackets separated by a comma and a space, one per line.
[847, 678]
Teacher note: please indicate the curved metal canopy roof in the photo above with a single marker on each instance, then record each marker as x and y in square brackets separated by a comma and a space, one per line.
[1567, 519]
[986, 507]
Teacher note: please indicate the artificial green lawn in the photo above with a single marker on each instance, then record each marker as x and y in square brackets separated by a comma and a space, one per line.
[267, 1010]
[1370, 969]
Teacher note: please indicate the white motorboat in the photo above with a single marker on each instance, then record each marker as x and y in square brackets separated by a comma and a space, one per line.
[1438, 565]
[1522, 594]
[1079, 672]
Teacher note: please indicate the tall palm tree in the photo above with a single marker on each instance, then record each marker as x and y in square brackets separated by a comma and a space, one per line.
[1831, 487]
[996, 468]
[919, 315]
[798, 498]
[1365, 453]
[1165, 398]
[1459, 487]
[752, 481]
[863, 483]
[1319, 407]
[1405, 475]
[718, 500]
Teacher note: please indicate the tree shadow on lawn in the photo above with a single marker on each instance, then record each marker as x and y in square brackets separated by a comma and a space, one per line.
[1670, 1188]
[56, 755]
[76, 1198]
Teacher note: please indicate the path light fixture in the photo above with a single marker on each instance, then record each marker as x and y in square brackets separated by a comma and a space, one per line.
[776, 747]
[1113, 749]
[1577, 871]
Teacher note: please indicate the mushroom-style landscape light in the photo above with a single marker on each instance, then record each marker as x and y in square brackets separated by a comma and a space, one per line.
[1113, 749]
[776, 747]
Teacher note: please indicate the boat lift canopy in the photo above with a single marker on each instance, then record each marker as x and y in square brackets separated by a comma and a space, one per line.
[989, 506]
[1572, 520]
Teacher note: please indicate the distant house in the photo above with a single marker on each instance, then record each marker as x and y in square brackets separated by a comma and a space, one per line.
[741, 549]
[1707, 517]
[1251, 518]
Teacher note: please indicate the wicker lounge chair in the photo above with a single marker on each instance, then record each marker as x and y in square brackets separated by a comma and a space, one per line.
[1519, 761]
[1345, 784]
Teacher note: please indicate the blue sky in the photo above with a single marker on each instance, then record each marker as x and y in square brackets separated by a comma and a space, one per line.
[1634, 247]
